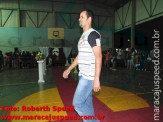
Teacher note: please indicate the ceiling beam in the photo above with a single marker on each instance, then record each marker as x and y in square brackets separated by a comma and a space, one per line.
[100, 5]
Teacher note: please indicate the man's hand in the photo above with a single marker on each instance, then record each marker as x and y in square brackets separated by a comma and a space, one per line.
[96, 85]
[66, 73]
[68, 70]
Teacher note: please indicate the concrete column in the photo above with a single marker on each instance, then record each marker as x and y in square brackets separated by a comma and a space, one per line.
[41, 71]
[113, 30]
[133, 22]
[18, 14]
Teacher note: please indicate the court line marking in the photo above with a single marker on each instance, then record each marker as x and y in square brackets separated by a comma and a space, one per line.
[18, 84]
[127, 94]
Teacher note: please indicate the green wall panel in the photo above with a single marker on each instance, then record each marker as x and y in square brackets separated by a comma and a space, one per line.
[9, 4]
[36, 5]
[30, 39]
[159, 7]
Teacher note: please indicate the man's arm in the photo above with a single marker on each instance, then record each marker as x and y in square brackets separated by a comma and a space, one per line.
[68, 70]
[98, 64]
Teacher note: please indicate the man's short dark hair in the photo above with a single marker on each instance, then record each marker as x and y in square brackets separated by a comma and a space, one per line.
[89, 14]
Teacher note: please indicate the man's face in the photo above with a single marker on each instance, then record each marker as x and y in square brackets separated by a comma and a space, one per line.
[83, 20]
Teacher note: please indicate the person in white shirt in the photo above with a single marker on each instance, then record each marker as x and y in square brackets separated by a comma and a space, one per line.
[89, 61]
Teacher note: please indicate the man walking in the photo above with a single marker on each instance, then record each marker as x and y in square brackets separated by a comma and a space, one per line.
[89, 61]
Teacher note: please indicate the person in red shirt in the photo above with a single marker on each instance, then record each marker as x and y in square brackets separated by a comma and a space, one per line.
[19, 61]
[9, 60]
[107, 59]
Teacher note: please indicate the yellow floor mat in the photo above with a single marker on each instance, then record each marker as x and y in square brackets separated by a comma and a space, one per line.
[120, 100]
[115, 99]
[49, 97]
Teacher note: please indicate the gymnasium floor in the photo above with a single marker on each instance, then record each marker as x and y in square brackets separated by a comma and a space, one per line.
[124, 94]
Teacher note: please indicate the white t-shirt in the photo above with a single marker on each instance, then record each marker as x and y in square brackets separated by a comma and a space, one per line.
[86, 57]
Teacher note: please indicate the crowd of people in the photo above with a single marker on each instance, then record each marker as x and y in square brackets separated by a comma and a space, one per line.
[112, 58]
[17, 60]
[26, 59]
[129, 58]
